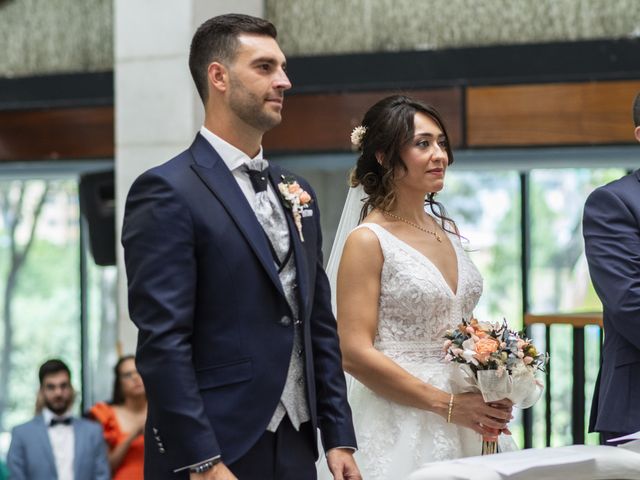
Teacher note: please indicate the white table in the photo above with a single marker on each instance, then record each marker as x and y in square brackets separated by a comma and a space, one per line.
[579, 462]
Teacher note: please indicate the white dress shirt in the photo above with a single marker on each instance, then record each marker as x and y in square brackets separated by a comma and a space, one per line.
[235, 159]
[62, 441]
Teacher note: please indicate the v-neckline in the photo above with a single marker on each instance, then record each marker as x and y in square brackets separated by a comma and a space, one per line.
[428, 260]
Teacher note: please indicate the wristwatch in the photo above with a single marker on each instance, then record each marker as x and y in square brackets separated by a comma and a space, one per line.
[206, 466]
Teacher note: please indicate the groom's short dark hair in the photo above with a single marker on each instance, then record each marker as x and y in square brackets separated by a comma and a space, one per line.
[216, 40]
[636, 111]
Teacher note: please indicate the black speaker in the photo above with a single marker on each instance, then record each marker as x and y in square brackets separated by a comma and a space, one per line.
[97, 206]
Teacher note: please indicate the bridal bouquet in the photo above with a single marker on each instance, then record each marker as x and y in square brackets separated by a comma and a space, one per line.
[497, 361]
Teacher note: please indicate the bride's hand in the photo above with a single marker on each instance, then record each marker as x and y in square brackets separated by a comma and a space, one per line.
[471, 411]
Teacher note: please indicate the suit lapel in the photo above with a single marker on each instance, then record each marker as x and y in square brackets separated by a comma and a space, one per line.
[212, 170]
[275, 176]
[43, 440]
[78, 444]
[638, 174]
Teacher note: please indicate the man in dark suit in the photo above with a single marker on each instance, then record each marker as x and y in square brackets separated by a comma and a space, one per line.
[237, 344]
[611, 227]
[55, 445]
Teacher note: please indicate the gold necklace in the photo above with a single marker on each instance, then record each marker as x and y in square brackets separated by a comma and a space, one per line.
[435, 234]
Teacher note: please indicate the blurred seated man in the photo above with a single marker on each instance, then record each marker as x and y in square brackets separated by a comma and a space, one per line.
[55, 445]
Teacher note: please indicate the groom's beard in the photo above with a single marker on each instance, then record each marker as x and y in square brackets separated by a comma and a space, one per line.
[251, 108]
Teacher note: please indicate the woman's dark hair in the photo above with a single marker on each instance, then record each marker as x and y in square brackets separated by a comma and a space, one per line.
[118, 396]
[389, 128]
[216, 40]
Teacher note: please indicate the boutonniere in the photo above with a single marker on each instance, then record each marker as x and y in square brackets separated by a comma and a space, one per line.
[295, 199]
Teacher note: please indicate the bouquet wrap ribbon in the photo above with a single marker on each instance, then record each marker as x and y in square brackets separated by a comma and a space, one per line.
[520, 386]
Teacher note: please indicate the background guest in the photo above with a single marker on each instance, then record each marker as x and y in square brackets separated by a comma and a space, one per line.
[123, 421]
[55, 444]
[611, 228]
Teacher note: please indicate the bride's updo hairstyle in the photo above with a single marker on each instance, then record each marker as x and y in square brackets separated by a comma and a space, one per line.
[389, 128]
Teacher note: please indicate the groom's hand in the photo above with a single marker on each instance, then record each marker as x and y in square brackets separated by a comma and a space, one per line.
[218, 472]
[342, 464]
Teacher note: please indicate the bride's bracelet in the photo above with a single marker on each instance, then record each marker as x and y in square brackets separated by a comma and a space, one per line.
[450, 408]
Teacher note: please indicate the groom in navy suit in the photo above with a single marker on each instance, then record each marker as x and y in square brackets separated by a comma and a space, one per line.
[611, 227]
[237, 343]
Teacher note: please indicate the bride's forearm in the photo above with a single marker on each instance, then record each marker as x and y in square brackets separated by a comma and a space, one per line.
[389, 380]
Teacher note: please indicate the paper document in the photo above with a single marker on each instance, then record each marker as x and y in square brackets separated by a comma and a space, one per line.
[631, 436]
[512, 463]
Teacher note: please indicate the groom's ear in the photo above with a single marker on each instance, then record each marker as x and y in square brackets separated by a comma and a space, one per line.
[218, 76]
[637, 132]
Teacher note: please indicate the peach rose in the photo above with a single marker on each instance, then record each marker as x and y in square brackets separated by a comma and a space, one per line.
[304, 198]
[485, 347]
[294, 187]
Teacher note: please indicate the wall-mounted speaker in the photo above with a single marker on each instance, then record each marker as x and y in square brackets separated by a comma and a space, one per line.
[97, 206]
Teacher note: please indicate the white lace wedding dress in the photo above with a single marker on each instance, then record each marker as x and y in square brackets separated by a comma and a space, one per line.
[416, 307]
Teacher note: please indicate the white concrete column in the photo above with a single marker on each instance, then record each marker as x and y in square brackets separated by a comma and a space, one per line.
[157, 109]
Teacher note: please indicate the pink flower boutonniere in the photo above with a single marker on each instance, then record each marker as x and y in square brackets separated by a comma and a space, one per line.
[297, 200]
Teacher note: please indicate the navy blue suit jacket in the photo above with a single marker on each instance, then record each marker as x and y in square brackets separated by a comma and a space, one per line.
[611, 227]
[215, 335]
[31, 457]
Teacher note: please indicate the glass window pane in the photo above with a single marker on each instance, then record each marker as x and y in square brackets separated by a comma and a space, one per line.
[39, 281]
[559, 273]
[559, 279]
[486, 207]
[102, 332]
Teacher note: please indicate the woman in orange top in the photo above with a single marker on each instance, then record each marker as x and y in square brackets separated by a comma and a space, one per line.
[123, 421]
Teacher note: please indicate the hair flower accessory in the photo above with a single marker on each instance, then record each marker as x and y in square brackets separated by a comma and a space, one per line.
[357, 135]
[297, 200]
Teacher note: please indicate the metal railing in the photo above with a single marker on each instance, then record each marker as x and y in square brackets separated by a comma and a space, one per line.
[578, 323]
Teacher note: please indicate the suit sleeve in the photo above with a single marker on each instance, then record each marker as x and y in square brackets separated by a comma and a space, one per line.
[16, 458]
[612, 247]
[334, 413]
[158, 240]
[101, 467]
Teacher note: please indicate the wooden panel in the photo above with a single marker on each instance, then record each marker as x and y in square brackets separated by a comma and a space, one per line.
[551, 114]
[323, 122]
[71, 133]
[575, 319]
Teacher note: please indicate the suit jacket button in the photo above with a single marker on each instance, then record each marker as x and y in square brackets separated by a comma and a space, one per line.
[285, 321]
[161, 450]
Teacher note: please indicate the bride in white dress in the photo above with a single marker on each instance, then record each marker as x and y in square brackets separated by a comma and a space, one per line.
[403, 280]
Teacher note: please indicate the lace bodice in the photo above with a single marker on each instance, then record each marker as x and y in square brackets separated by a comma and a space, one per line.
[416, 303]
